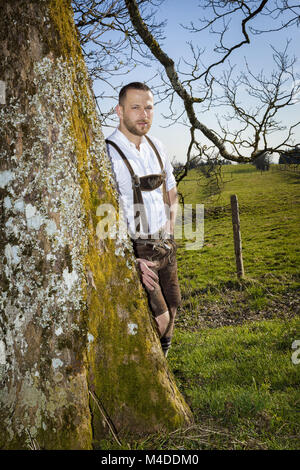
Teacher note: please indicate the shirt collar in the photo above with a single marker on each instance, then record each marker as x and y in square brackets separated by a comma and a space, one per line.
[122, 137]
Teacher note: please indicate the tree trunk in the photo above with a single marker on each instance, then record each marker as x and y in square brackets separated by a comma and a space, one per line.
[75, 329]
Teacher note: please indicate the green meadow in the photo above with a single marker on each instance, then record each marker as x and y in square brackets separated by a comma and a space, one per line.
[232, 351]
[235, 354]
[270, 221]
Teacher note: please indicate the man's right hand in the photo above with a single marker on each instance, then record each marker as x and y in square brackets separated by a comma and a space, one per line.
[149, 277]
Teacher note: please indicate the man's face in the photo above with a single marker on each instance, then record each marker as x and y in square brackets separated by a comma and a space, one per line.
[136, 112]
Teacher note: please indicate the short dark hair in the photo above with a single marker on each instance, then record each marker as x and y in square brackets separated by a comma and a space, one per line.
[131, 86]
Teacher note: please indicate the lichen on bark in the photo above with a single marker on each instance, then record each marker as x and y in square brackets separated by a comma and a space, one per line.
[69, 321]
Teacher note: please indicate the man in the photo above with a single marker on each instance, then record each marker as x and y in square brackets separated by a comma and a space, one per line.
[148, 197]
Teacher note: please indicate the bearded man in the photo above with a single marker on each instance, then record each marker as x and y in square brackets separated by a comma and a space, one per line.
[148, 197]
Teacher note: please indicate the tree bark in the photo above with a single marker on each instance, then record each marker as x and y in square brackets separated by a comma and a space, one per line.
[75, 329]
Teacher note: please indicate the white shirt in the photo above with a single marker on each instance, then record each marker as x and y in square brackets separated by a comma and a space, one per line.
[144, 162]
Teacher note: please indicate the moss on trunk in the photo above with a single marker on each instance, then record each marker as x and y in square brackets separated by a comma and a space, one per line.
[74, 317]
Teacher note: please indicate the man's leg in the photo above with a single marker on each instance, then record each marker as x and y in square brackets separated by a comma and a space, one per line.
[162, 322]
[166, 338]
[169, 330]
[171, 291]
[165, 320]
[150, 275]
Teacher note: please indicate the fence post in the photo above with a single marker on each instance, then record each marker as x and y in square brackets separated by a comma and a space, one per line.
[237, 236]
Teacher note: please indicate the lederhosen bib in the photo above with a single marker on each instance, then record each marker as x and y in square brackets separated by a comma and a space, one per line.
[143, 183]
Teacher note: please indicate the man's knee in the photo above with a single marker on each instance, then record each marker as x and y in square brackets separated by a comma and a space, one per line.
[163, 321]
[173, 311]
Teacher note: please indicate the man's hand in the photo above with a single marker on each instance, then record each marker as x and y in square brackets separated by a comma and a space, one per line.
[149, 278]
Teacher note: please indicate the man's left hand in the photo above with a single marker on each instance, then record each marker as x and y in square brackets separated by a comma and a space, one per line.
[149, 277]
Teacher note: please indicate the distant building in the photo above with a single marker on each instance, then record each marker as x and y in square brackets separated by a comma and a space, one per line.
[290, 156]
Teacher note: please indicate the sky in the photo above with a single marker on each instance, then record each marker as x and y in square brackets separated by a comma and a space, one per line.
[259, 56]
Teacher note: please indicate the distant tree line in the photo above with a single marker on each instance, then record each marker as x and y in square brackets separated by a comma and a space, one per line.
[200, 163]
[288, 157]
[262, 163]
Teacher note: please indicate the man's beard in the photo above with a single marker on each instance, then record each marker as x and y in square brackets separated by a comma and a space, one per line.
[134, 129]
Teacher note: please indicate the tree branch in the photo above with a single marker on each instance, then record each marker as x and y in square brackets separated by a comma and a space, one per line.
[268, 92]
[169, 66]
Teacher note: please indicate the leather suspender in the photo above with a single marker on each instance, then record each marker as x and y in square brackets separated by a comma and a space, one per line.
[137, 193]
[161, 166]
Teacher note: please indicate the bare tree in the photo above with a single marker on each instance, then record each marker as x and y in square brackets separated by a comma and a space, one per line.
[270, 92]
[202, 85]
[108, 42]
[269, 95]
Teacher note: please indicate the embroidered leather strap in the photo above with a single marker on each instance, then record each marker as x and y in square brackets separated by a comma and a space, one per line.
[162, 168]
[137, 193]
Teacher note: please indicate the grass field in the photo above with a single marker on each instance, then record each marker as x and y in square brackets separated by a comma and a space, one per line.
[270, 221]
[232, 353]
